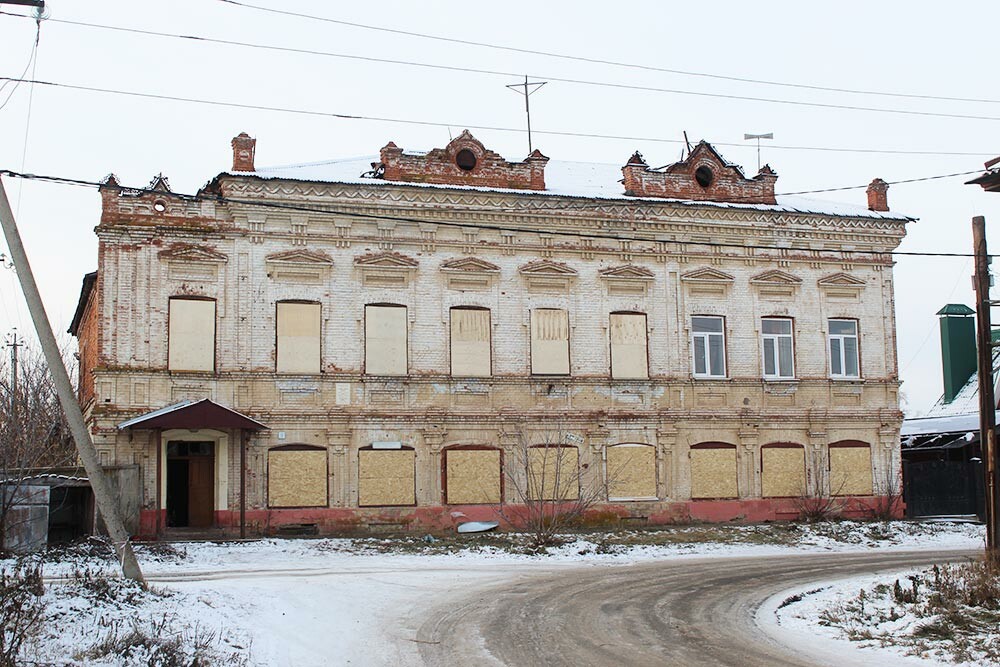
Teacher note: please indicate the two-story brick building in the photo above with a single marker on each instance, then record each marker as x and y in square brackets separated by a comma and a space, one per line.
[374, 334]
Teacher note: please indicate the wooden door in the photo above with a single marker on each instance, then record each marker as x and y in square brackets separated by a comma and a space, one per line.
[201, 491]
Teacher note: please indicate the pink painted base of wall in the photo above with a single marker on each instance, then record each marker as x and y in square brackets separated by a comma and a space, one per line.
[438, 517]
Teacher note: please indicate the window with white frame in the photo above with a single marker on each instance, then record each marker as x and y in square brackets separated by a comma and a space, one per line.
[708, 346]
[778, 347]
[843, 338]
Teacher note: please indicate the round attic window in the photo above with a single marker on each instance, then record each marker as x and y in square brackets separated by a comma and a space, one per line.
[466, 160]
[704, 176]
[159, 206]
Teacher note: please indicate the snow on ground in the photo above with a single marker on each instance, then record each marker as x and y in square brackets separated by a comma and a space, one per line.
[356, 601]
[886, 618]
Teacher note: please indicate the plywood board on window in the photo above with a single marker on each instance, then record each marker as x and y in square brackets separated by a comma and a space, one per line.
[850, 471]
[553, 473]
[298, 334]
[783, 472]
[385, 340]
[296, 478]
[713, 473]
[549, 342]
[631, 472]
[473, 476]
[629, 359]
[191, 335]
[470, 342]
[386, 477]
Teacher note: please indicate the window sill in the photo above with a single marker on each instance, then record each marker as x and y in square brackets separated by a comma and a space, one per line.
[779, 380]
[709, 378]
[857, 380]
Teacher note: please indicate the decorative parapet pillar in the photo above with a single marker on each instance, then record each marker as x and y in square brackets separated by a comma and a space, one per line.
[339, 443]
[429, 490]
[748, 452]
[817, 472]
[598, 439]
[666, 448]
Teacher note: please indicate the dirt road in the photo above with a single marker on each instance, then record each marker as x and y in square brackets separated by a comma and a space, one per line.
[678, 613]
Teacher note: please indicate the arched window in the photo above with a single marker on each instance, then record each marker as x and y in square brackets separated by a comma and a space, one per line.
[713, 470]
[296, 476]
[386, 477]
[850, 468]
[783, 470]
[630, 472]
[553, 472]
[472, 475]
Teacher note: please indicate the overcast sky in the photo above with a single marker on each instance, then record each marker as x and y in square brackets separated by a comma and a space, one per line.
[913, 48]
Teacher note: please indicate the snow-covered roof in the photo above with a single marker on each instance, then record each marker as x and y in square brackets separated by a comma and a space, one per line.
[966, 401]
[590, 180]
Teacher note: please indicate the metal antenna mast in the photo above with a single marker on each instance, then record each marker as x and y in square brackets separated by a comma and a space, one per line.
[13, 345]
[758, 137]
[527, 106]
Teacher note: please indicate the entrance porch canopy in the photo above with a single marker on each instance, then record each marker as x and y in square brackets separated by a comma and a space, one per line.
[193, 415]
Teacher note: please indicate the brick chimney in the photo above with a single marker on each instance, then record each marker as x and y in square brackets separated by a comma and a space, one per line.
[878, 199]
[243, 151]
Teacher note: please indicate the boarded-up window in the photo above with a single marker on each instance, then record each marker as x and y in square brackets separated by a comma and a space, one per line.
[385, 340]
[850, 469]
[553, 473]
[472, 476]
[386, 477]
[631, 472]
[628, 346]
[549, 342]
[191, 335]
[713, 471]
[296, 476]
[298, 331]
[783, 471]
[470, 342]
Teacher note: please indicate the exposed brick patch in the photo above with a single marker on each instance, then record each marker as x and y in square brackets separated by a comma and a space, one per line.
[703, 176]
[464, 161]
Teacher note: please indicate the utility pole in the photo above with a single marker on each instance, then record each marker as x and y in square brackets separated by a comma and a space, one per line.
[103, 495]
[527, 107]
[987, 401]
[13, 345]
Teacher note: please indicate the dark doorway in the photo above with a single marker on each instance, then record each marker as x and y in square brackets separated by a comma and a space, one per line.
[190, 484]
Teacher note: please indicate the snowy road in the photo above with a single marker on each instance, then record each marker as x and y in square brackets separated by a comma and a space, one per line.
[692, 612]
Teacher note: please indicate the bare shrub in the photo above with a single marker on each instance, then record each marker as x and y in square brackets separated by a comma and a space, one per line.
[547, 491]
[822, 506]
[888, 491]
[21, 610]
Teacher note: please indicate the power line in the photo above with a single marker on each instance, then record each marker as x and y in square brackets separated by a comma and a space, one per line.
[492, 128]
[858, 187]
[582, 82]
[219, 199]
[600, 61]
[31, 59]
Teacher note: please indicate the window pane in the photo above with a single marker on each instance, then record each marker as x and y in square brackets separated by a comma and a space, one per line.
[849, 327]
[717, 355]
[776, 326]
[769, 356]
[851, 357]
[836, 368]
[785, 357]
[706, 324]
[699, 355]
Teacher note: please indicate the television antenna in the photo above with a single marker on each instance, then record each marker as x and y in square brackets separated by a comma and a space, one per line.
[527, 90]
[758, 137]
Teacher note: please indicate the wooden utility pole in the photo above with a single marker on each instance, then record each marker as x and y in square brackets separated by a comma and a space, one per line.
[987, 401]
[103, 495]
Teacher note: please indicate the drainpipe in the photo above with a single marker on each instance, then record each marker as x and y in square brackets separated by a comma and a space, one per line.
[244, 438]
[159, 482]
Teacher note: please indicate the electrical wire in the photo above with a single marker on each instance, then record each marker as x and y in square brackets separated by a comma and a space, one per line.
[582, 82]
[600, 61]
[492, 128]
[17, 82]
[219, 199]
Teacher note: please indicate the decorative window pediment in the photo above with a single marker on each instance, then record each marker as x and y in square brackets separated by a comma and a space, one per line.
[298, 266]
[627, 280]
[544, 275]
[775, 284]
[470, 273]
[192, 263]
[386, 269]
[841, 286]
[707, 282]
